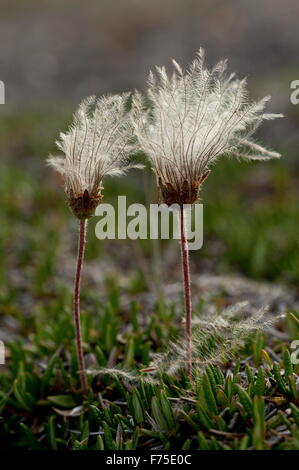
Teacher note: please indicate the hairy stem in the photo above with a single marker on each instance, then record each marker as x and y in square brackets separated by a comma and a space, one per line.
[76, 305]
[187, 291]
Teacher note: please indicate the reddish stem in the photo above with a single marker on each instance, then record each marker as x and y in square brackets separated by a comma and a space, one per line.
[76, 305]
[187, 290]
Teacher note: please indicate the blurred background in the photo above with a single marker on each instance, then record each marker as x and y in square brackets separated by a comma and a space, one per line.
[56, 52]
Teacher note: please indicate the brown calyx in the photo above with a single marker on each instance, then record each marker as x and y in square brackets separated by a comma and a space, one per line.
[188, 193]
[84, 206]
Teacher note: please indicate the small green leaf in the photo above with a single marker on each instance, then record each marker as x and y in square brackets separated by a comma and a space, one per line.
[51, 434]
[249, 374]
[209, 395]
[228, 387]
[287, 363]
[100, 443]
[258, 423]
[186, 445]
[258, 345]
[134, 316]
[278, 378]
[244, 399]
[129, 353]
[167, 411]
[221, 398]
[101, 359]
[158, 415]
[137, 408]
[46, 377]
[244, 442]
[85, 431]
[30, 438]
[109, 443]
[95, 414]
[204, 418]
[260, 385]
[295, 413]
[202, 442]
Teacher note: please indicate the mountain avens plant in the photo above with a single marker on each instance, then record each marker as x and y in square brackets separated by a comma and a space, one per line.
[185, 123]
[97, 144]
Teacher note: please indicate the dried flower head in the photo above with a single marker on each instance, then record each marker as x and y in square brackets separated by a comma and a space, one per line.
[195, 117]
[97, 144]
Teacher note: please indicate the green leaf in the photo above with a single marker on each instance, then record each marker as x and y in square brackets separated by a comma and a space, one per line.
[100, 443]
[186, 445]
[244, 443]
[237, 367]
[204, 418]
[209, 395]
[129, 353]
[295, 413]
[244, 399]
[284, 419]
[202, 442]
[158, 415]
[109, 443]
[260, 385]
[287, 363]
[278, 378]
[136, 407]
[167, 411]
[101, 359]
[29, 437]
[135, 439]
[212, 379]
[51, 434]
[95, 415]
[221, 398]
[46, 377]
[19, 392]
[85, 431]
[228, 387]
[258, 345]
[218, 374]
[3, 400]
[134, 316]
[293, 386]
[249, 374]
[189, 420]
[258, 423]
[79, 445]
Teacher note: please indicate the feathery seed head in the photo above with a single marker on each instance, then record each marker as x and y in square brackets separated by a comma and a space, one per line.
[195, 117]
[97, 144]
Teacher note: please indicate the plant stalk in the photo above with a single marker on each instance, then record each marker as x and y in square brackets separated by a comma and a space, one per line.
[76, 305]
[187, 291]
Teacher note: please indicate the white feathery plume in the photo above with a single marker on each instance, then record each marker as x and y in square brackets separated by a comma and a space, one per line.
[97, 144]
[215, 339]
[195, 117]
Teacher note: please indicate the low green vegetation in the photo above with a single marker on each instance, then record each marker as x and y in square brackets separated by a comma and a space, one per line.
[249, 403]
